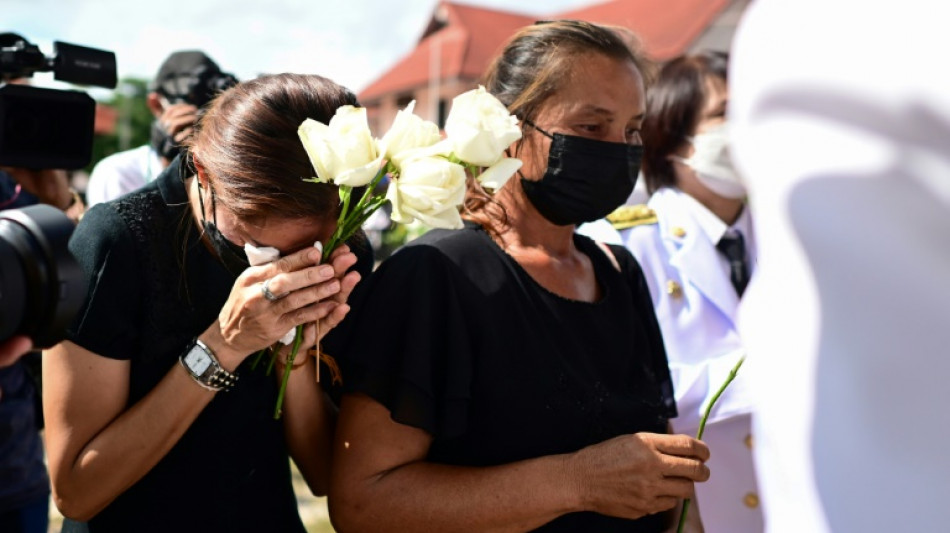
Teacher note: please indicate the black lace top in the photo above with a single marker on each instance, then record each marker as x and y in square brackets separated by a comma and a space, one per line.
[454, 337]
[153, 287]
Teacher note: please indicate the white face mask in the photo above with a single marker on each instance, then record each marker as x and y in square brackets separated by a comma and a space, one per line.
[713, 165]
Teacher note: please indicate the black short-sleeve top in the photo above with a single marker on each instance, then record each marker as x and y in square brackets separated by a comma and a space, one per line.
[454, 337]
[153, 287]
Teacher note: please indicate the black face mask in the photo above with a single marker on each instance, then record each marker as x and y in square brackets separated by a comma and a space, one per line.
[231, 255]
[585, 179]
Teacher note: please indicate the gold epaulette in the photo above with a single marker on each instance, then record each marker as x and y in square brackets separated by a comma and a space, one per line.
[628, 216]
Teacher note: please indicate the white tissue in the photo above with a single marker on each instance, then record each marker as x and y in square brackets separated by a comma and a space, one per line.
[261, 256]
[288, 337]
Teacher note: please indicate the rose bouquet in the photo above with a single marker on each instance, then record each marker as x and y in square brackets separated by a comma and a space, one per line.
[426, 173]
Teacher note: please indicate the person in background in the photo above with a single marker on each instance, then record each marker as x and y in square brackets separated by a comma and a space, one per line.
[24, 483]
[842, 138]
[696, 245]
[186, 81]
[156, 419]
[518, 379]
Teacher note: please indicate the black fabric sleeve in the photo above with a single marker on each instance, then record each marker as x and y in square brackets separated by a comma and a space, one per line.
[408, 345]
[107, 323]
[643, 304]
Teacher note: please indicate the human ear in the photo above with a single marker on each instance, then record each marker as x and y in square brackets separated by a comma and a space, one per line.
[154, 102]
[200, 171]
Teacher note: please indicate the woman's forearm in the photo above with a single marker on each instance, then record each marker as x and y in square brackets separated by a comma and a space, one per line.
[381, 481]
[308, 417]
[97, 448]
[430, 497]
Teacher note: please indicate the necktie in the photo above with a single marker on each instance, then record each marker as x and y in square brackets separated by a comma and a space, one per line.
[733, 247]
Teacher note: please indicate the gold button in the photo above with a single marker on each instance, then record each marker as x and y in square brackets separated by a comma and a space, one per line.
[679, 232]
[751, 500]
[674, 289]
[748, 441]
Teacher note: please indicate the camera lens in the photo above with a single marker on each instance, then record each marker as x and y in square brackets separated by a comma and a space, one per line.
[41, 284]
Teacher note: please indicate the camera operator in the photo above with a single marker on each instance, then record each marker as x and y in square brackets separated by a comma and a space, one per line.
[186, 81]
[41, 129]
[24, 483]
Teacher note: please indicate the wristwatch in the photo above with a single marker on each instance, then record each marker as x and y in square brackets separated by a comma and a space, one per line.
[201, 363]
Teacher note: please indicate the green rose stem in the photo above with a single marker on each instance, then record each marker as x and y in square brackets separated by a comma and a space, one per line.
[288, 367]
[347, 224]
[349, 221]
[702, 427]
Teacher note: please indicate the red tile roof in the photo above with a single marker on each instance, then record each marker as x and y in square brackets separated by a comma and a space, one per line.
[467, 43]
[470, 36]
[665, 27]
[106, 119]
[488, 30]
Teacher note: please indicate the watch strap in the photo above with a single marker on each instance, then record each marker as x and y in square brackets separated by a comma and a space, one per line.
[215, 377]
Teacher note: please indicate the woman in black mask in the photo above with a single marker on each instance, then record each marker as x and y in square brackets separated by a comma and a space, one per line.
[519, 381]
[155, 418]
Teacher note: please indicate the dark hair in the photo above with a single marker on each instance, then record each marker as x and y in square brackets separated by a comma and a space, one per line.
[247, 144]
[674, 105]
[534, 64]
[537, 60]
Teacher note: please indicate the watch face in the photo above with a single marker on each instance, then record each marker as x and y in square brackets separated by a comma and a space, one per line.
[198, 361]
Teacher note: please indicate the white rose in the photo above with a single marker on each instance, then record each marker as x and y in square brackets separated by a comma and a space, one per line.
[498, 174]
[442, 148]
[343, 152]
[428, 189]
[408, 132]
[480, 128]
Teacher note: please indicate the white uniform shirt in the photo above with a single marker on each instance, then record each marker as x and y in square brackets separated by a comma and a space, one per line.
[122, 173]
[715, 229]
[601, 231]
[696, 306]
[841, 119]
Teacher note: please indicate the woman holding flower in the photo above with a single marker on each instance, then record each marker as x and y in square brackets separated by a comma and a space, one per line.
[155, 422]
[515, 378]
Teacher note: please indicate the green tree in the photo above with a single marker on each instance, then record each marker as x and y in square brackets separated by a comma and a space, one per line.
[132, 125]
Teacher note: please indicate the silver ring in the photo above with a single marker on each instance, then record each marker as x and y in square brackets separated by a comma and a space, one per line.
[265, 290]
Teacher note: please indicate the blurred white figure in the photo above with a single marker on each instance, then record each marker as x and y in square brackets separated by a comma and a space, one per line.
[697, 249]
[842, 134]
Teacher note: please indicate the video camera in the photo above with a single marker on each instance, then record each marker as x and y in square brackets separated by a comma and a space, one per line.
[48, 128]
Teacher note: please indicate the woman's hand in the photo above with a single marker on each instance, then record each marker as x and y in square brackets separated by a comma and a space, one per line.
[631, 476]
[48, 185]
[178, 120]
[307, 291]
